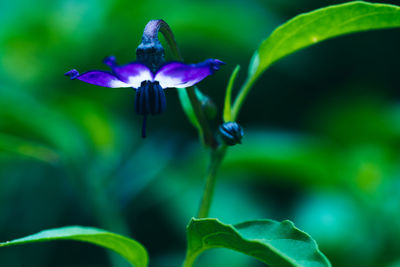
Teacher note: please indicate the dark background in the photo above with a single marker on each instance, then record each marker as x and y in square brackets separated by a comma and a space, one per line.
[321, 146]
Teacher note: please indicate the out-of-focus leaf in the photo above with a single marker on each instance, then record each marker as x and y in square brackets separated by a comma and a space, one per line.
[93, 120]
[288, 155]
[35, 121]
[274, 243]
[314, 27]
[23, 147]
[128, 248]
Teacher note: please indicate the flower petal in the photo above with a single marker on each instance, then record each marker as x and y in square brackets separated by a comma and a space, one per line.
[110, 61]
[177, 74]
[97, 77]
[133, 73]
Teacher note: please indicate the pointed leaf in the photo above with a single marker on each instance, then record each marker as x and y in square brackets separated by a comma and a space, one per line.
[128, 248]
[274, 243]
[188, 108]
[314, 27]
[319, 25]
[227, 106]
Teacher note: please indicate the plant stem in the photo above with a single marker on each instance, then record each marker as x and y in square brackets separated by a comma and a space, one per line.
[151, 31]
[190, 260]
[208, 138]
[217, 156]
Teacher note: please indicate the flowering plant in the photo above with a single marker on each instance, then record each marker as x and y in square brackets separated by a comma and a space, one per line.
[272, 242]
[149, 86]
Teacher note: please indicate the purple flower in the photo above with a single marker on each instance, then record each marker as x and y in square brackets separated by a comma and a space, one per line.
[149, 86]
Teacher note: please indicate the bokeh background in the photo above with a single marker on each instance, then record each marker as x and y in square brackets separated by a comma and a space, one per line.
[322, 143]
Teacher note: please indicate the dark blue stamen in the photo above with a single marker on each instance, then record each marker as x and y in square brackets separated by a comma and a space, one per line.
[157, 101]
[147, 93]
[150, 99]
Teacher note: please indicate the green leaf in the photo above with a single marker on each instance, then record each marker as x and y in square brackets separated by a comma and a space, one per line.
[128, 248]
[275, 243]
[227, 106]
[314, 27]
[319, 25]
[187, 107]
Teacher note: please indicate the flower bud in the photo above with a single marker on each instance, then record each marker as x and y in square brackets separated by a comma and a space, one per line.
[231, 133]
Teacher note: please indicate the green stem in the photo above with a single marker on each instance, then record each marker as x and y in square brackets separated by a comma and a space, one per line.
[217, 157]
[189, 260]
[206, 134]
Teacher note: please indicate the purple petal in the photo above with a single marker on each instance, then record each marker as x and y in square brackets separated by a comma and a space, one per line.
[133, 73]
[110, 61]
[97, 77]
[177, 74]
[72, 74]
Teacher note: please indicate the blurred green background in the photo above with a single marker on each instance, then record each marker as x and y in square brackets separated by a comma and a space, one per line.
[322, 143]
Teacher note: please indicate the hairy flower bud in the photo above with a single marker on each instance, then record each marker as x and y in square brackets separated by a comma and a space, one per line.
[150, 51]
